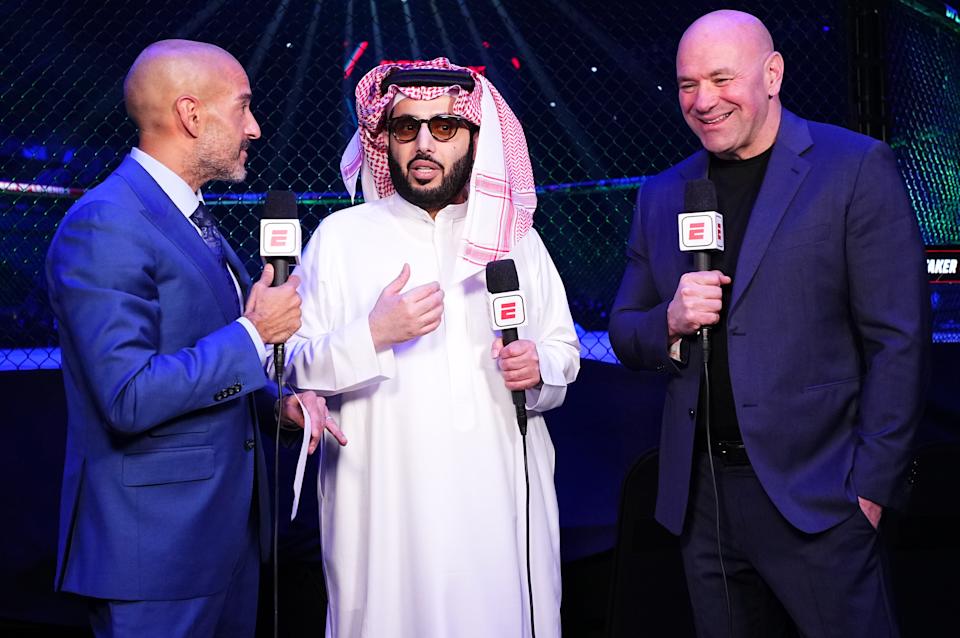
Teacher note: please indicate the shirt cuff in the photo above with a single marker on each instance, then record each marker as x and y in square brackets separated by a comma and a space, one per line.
[551, 390]
[255, 338]
[675, 353]
[356, 359]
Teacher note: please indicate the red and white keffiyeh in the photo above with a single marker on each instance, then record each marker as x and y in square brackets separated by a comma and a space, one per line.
[501, 200]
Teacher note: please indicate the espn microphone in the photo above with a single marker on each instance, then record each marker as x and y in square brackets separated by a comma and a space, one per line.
[701, 231]
[280, 246]
[507, 313]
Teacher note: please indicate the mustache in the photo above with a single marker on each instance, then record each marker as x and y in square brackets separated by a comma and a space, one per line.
[423, 156]
[245, 145]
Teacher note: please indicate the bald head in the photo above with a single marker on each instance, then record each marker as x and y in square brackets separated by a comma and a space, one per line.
[191, 104]
[729, 76]
[729, 28]
[168, 69]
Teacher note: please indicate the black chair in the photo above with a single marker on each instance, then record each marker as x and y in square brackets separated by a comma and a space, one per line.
[648, 596]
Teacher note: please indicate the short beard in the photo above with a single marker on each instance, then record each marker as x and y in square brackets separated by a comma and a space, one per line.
[435, 198]
[215, 171]
[210, 164]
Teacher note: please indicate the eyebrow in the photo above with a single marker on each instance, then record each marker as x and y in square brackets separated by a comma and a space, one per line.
[245, 97]
[713, 74]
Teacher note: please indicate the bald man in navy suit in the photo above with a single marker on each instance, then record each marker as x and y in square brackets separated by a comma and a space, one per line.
[818, 316]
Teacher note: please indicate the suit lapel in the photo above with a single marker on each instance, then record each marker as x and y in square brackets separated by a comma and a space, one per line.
[785, 172]
[161, 211]
[695, 167]
[238, 268]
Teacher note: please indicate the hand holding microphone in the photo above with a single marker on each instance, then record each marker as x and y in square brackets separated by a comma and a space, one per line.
[697, 303]
[508, 311]
[280, 247]
[273, 305]
[519, 363]
[274, 312]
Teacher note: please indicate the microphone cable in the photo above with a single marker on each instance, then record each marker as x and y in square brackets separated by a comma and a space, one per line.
[502, 278]
[705, 346]
[526, 479]
[279, 246]
[278, 363]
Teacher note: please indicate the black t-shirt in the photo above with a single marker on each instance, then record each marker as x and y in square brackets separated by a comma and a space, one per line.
[738, 183]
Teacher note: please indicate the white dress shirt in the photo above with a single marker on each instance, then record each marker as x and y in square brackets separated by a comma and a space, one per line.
[186, 202]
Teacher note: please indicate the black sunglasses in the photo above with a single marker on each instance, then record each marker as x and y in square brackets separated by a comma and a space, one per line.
[442, 127]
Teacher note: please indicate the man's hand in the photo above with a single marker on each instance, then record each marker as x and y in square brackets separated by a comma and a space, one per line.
[696, 303]
[274, 312]
[292, 414]
[871, 510]
[518, 363]
[399, 317]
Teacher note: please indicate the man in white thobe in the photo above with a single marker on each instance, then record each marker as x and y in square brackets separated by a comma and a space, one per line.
[423, 514]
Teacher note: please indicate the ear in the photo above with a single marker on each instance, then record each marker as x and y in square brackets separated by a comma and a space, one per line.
[383, 141]
[383, 132]
[188, 110]
[773, 73]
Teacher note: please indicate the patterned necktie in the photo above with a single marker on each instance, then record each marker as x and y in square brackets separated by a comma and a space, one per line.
[207, 224]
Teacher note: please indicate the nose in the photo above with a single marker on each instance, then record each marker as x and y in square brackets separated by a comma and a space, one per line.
[252, 128]
[425, 141]
[706, 99]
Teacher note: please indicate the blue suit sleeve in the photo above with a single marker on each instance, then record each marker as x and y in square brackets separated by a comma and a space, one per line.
[638, 320]
[104, 274]
[889, 301]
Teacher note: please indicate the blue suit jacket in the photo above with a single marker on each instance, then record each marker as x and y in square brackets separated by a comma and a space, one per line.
[159, 473]
[827, 328]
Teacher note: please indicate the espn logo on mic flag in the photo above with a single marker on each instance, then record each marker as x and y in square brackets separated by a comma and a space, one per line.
[701, 231]
[279, 238]
[508, 310]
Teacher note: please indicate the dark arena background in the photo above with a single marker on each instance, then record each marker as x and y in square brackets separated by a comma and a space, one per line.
[593, 85]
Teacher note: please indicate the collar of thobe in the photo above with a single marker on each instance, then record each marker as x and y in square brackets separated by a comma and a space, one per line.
[405, 209]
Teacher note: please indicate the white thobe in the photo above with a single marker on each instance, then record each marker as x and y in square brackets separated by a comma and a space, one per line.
[422, 514]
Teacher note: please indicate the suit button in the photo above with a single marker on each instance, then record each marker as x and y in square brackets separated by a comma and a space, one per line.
[232, 391]
[660, 367]
[218, 396]
[692, 413]
[248, 444]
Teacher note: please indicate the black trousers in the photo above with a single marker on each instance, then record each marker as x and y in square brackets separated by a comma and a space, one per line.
[782, 582]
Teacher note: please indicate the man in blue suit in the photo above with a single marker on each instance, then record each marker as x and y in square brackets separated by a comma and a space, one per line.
[163, 505]
[819, 326]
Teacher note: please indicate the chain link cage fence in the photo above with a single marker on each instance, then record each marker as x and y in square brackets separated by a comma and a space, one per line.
[592, 83]
[923, 73]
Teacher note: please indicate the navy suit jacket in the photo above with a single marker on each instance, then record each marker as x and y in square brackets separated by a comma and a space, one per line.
[827, 327]
[159, 470]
